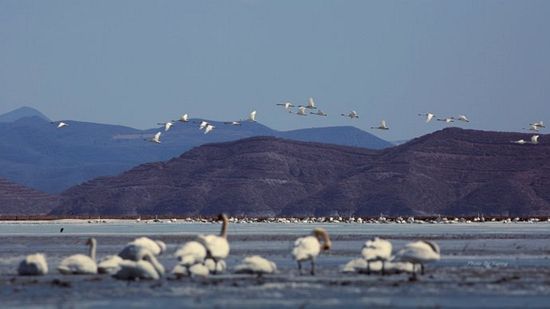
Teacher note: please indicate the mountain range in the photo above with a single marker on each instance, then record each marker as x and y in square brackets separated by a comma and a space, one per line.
[449, 172]
[34, 153]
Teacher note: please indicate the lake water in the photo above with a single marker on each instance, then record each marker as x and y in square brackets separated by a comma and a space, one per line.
[487, 264]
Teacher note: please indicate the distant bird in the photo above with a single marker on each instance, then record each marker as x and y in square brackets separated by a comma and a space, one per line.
[419, 252]
[520, 141]
[147, 268]
[310, 104]
[184, 118]
[33, 265]
[109, 264]
[203, 125]
[301, 111]
[80, 264]
[252, 116]
[446, 119]
[532, 128]
[155, 138]
[462, 118]
[233, 123]
[309, 247]
[217, 246]
[60, 124]
[376, 249]
[382, 126]
[61, 230]
[538, 124]
[287, 106]
[351, 115]
[319, 113]
[208, 128]
[256, 265]
[535, 139]
[167, 125]
[429, 116]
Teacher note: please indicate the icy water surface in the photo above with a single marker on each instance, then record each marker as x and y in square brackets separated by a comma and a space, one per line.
[483, 265]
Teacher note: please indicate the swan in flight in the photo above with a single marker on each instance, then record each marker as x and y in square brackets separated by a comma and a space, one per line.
[418, 252]
[535, 139]
[351, 115]
[167, 125]
[252, 116]
[310, 104]
[319, 113]
[309, 247]
[382, 126]
[203, 125]
[463, 118]
[287, 106]
[538, 124]
[80, 264]
[233, 123]
[61, 124]
[148, 268]
[447, 119]
[256, 265]
[155, 138]
[532, 128]
[429, 116]
[184, 118]
[520, 141]
[33, 265]
[301, 111]
[208, 128]
[376, 249]
[217, 246]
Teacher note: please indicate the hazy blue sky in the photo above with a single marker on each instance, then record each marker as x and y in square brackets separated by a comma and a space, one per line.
[140, 62]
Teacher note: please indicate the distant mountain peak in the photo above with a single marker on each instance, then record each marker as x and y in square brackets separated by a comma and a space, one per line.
[22, 112]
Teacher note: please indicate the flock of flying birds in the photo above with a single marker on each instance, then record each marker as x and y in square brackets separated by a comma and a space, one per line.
[311, 108]
[207, 253]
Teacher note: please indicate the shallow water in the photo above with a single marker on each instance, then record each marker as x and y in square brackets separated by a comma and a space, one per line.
[486, 264]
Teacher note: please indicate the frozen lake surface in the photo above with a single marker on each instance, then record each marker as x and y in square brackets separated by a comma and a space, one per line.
[486, 264]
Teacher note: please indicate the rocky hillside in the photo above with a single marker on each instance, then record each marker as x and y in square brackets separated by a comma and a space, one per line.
[453, 171]
[19, 200]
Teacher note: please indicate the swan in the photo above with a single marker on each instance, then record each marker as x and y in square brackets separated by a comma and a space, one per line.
[376, 249]
[155, 138]
[429, 116]
[419, 252]
[301, 111]
[355, 265]
[109, 264]
[446, 119]
[217, 246]
[319, 113]
[310, 104]
[214, 267]
[147, 268]
[184, 118]
[539, 124]
[167, 125]
[535, 139]
[287, 106]
[382, 126]
[137, 249]
[191, 253]
[208, 128]
[256, 265]
[196, 270]
[463, 118]
[33, 265]
[532, 128]
[203, 125]
[233, 123]
[309, 247]
[60, 124]
[520, 141]
[351, 115]
[252, 116]
[80, 264]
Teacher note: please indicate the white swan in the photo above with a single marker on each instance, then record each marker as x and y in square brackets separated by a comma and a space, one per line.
[146, 269]
[538, 124]
[136, 249]
[376, 249]
[208, 128]
[62, 124]
[109, 264]
[382, 126]
[256, 265]
[446, 119]
[80, 264]
[217, 246]
[429, 116]
[196, 270]
[252, 116]
[319, 113]
[184, 118]
[301, 111]
[155, 138]
[519, 141]
[215, 267]
[355, 265]
[351, 115]
[233, 123]
[309, 247]
[287, 106]
[191, 253]
[203, 125]
[535, 139]
[419, 252]
[167, 125]
[310, 104]
[463, 118]
[33, 265]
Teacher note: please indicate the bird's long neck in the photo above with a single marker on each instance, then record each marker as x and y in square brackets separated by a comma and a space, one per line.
[223, 232]
[158, 267]
[92, 250]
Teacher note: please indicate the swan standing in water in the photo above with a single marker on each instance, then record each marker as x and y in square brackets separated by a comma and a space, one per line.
[309, 247]
[197, 270]
[418, 252]
[80, 264]
[217, 247]
[190, 254]
[146, 269]
[376, 249]
[33, 265]
[256, 265]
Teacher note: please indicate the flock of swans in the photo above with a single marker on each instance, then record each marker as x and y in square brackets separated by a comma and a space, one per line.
[207, 253]
[311, 109]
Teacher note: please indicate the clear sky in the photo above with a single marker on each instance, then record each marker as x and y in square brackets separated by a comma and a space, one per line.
[140, 62]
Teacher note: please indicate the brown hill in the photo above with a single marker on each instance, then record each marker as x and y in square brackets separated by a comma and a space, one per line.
[452, 171]
[16, 199]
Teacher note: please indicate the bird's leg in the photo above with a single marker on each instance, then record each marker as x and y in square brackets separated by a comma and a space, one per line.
[383, 270]
[368, 267]
[300, 267]
[215, 266]
[313, 267]
[422, 269]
